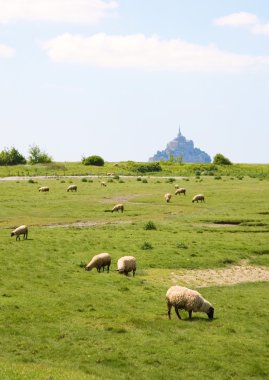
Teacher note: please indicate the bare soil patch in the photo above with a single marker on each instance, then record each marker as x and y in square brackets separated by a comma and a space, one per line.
[200, 278]
[84, 224]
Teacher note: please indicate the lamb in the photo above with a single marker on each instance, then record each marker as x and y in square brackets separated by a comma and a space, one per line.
[189, 300]
[44, 189]
[72, 188]
[180, 190]
[118, 207]
[99, 261]
[21, 230]
[168, 197]
[198, 197]
[127, 264]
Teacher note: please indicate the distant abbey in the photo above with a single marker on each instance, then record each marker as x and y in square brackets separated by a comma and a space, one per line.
[183, 149]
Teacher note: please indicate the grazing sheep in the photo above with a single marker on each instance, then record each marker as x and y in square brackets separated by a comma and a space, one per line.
[99, 261]
[72, 188]
[176, 186]
[44, 189]
[103, 184]
[127, 264]
[187, 299]
[198, 197]
[22, 230]
[168, 197]
[118, 207]
[180, 190]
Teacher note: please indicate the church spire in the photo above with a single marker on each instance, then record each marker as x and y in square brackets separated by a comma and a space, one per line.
[179, 131]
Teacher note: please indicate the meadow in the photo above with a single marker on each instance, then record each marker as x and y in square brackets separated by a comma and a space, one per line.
[58, 321]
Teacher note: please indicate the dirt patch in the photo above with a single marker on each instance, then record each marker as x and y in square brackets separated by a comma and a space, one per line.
[120, 199]
[200, 278]
[84, 224]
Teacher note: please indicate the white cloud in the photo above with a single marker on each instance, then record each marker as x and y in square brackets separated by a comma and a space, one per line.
[6, 51]
[237, 19]
[244, 19]
[261, 29]
[152, 53]
[74, 11]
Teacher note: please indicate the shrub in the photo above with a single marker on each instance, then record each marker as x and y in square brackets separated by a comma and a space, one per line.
[170, 180]
[93, 160]
[36, 156]
[11, 157]
[146, 245]
[148, 167]
[150, 226]
[219, 159]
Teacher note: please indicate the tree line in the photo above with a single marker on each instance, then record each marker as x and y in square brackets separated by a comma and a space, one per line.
[12, 156]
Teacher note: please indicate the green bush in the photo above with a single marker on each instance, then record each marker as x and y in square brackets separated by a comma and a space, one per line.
[219, 159]
[150, 226]
[93, 160]
[36, 156]
[11, 157]
[147, 245]
[148, 167]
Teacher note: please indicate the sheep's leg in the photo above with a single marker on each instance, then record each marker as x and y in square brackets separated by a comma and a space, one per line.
[169, 311]
[176, 309]
[108, 268]
[133, 272]
[190, 313]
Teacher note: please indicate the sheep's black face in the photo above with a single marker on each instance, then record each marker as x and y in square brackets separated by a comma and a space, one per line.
[210, 313]
[12, 234]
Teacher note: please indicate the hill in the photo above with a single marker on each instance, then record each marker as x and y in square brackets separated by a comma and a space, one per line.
[183, 149]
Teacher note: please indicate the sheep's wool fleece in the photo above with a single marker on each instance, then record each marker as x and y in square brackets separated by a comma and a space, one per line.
[101, 259]
[20, 230]
[187, 299]
[126, 263]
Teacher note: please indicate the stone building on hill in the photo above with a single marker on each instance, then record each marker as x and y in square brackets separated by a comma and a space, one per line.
[181, 149]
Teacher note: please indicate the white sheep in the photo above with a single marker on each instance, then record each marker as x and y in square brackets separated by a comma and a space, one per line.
[99, 261]
[21, 230]
[118, 207]
[189, 300]
[103, 184]
[168, 197]
[198, 197]
[72, 188]
[180, 190]
[176, 186]
[126, 264]
[44, 189]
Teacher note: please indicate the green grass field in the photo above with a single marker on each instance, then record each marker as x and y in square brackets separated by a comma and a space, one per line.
[58, 321]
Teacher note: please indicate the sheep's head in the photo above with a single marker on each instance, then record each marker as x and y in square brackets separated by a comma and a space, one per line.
[210, 312]
[12, 234]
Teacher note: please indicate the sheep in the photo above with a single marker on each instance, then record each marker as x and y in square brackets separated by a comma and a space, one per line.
[189, 300]
[99, 261]
[103, 184]
[127, 264]
[21, 230]
[180, 190]
[168, 197]
[72, 188]
[176, 186]
[118, 207]
[44, 189]
[198, 197]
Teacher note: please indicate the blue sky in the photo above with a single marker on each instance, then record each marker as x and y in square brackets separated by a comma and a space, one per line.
[116, 78]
